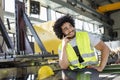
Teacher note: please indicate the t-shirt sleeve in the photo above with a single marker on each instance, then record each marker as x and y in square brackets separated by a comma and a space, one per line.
[94, 39]
[59, 52]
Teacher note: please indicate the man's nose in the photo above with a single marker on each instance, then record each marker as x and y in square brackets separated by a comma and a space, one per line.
[70, 29]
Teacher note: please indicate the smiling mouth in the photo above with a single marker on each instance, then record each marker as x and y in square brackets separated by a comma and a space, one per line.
[70, 36]
[71, 32]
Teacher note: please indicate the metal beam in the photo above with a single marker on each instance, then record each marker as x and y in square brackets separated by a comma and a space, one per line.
[32, 19]
[112, 69]
[100, 18]
[27, 21]
[91, 10]
[5, 35]
[48, 14]
[109, 7]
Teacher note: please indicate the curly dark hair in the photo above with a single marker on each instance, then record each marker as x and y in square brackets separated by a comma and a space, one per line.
[57, 26]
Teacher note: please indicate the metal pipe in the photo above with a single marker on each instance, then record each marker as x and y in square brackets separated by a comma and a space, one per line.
[112, 69]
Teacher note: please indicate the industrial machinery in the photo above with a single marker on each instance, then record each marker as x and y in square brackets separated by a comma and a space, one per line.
[25, 60]
[21, 62]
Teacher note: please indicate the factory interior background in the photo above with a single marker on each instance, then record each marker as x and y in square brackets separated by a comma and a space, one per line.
[29, 46]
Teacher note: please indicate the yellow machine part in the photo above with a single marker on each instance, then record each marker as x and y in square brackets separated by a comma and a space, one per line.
[109, 7]
[47, 36]
[45, 72]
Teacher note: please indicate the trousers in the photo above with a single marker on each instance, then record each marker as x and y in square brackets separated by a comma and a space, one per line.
[82, 74]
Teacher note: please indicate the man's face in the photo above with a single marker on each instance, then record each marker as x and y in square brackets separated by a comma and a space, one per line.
[68, 30]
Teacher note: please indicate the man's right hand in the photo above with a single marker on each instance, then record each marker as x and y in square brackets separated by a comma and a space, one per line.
[65, 40]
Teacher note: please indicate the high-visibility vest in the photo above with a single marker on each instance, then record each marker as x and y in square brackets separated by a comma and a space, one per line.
[88, 55]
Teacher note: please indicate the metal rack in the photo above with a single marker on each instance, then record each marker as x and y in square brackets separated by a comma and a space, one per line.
[19, 64]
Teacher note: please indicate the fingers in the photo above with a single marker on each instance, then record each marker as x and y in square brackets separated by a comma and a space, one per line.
[63, 36]
[90, 66]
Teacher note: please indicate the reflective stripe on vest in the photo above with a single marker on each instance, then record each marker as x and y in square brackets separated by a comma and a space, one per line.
[85, 55]
[84, 63]
[88, 55]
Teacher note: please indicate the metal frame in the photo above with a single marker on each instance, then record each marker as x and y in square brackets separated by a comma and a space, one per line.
[112, 69]
[27, 21]
[22, 15]
[100, 17]
[5, 35]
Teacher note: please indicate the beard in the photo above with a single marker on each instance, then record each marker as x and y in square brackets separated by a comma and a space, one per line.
[71, 37]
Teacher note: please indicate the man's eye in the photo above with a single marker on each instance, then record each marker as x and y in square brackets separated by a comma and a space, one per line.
[65, 29]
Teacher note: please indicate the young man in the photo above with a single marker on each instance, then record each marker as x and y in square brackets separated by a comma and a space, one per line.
[76, 54]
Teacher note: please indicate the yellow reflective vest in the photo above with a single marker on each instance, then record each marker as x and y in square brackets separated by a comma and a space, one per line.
[88, 55]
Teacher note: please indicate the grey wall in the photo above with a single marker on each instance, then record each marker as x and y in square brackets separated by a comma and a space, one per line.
[116, 27]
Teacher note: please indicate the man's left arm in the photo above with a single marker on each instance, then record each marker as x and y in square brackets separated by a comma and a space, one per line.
[104, 55]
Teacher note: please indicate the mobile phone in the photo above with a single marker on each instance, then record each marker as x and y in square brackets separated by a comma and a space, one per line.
[67, 37]
[64, 35]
